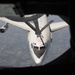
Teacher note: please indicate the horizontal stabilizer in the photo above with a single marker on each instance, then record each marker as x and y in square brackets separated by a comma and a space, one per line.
[58, 25]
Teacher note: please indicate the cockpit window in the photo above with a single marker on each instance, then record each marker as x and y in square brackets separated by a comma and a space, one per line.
[35, 47]
[43, 47]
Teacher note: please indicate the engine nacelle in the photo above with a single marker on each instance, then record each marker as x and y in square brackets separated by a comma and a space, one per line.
[4, 28]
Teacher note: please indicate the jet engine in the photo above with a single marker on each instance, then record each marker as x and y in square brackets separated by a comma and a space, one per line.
[4, 28]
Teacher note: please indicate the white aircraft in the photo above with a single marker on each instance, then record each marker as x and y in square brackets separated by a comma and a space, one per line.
[39, 32]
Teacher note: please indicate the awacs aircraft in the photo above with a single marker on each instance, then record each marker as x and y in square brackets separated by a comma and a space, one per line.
[39, 31]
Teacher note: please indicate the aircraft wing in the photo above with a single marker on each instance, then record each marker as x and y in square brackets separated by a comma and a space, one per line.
[58, 25]
[22, 25]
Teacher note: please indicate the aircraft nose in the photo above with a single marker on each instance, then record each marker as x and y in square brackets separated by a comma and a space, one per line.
[38, 61]
[39, 53]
